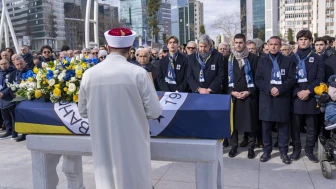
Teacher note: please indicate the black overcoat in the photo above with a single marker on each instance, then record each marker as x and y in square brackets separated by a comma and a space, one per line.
[181, 67]
[275, 109]
[245, 111]
[315, 75]
[213, 73]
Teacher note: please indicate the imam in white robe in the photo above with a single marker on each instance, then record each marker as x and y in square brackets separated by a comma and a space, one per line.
[118, 98]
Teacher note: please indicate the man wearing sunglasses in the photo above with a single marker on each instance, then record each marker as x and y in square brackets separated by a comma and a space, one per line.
[95, 52]
[191, 47]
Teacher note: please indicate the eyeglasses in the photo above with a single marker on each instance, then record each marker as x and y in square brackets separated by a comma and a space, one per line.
[165, 51]
[132, 52]
[191, 48]
[103, 57]
[46, 52]
[95, 53]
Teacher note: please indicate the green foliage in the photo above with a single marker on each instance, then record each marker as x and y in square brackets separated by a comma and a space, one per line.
[290, 35]
[202, 30]
[261, 34]
[164, 37]
[153, 22]
[315, 35]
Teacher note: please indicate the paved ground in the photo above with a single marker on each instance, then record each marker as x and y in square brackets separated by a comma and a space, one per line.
[240, 172]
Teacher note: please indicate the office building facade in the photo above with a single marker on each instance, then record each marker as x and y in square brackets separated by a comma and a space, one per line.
[296, 15]
[190, 20]
[271, 18]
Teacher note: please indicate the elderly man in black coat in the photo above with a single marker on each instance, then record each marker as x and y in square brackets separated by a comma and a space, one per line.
[310, 72]
[206, 68]
[172, 69]
[275, 77]
[241, 72]
[7, 107]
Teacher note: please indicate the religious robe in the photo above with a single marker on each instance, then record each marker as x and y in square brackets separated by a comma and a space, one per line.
[118, 98]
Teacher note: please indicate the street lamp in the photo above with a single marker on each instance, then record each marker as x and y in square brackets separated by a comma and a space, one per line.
[145, 37]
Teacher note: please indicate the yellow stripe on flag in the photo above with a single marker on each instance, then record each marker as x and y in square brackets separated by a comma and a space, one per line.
[31, 128]
[231, 116]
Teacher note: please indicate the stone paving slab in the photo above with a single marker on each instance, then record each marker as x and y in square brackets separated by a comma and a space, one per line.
[240, 172]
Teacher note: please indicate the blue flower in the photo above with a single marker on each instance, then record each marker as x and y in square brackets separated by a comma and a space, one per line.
[28, 74]
[50, 75]
[93, 60]
[69, 74]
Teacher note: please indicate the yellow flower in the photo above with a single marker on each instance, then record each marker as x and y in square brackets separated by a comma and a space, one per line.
[30, 79]
[79, 75]
[53, 68]
[43, 76]
[57, 92]
[75, 98]
[44, 82]
[79, 72]
[57, 85]
[35, 70]
[84, 65]
[38, 93]
[65, 89]
[48, 87]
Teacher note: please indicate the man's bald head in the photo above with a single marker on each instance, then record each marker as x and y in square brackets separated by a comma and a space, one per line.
[5, 55]
[4, 64]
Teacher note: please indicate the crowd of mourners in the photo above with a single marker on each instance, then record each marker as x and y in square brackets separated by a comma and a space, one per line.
[271, 84]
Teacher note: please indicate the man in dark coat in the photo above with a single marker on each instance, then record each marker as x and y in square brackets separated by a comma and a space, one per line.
[206, 68]
[329, 59]
[143, 61]
[172, 70]
[275, 77]
[16, 77]
[310, 72]
[28, 58]
[241, 72]
[6, 106]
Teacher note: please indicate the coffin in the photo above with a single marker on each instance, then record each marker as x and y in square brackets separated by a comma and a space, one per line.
[184, 115]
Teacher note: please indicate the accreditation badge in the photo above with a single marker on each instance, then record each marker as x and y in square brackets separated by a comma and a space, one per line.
[283, 72]
[213, 67]
[311, 59]
[178, 66]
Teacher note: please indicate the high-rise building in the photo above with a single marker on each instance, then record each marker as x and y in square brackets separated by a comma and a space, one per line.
[323, 17]
[296, 15]
[252, 13]
[175, 5]
[133, 15]
[164, 16]
[190, 20]
[40, 21]
[271, 18]
[258, 19]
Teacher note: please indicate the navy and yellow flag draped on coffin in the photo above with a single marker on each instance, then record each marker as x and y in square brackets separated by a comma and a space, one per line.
[184, 116]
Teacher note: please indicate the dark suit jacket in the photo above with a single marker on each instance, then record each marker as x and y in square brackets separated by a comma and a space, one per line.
[275, 109]
[181, 74]
[7, 95]
[315, 75]
[213, 73]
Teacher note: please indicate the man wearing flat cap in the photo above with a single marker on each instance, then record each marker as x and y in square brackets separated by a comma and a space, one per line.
[118, 98]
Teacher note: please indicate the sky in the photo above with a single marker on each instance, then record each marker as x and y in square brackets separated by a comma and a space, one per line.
[212, 9]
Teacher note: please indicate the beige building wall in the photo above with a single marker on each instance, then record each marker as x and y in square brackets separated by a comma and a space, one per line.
[199, 18]
[297, 15]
